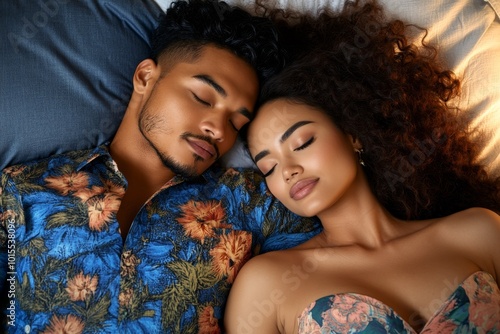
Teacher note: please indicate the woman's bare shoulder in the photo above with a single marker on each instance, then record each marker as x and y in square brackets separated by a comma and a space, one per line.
[475, 233]
[479, 220]
[472, 225]
[265, 266]
[256, 293]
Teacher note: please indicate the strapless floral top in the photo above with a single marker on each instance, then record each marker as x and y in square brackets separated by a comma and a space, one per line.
[474, 307]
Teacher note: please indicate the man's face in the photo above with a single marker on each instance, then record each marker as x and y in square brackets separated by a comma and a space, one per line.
[195, 110]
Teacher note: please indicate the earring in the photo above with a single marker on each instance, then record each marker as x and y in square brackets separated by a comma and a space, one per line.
[360, 158]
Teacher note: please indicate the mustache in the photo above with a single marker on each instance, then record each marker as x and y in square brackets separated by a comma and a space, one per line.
[209, 140]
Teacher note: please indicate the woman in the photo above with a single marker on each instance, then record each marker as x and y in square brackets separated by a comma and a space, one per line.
[358, 131]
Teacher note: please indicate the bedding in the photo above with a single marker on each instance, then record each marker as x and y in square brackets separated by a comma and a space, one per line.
[67, 67]
[66, 72]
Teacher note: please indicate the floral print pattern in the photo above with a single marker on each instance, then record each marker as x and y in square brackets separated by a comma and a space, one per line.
[65, 324]
[474, 307]
[207, 322]
[232, 251]
[199, 219]
[81, 286]
[74, 273]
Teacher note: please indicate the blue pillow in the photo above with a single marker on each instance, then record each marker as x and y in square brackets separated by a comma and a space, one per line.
[67, 70]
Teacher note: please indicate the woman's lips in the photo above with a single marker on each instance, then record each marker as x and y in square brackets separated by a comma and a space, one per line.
[202, 148]
[302, 188]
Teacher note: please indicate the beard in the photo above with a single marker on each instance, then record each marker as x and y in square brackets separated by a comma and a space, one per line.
[187, 172]
[149, 123]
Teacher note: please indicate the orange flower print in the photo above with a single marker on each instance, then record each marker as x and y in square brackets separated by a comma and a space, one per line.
[484, 300]
[68, 324]
[128, 264]
[67, 183]
[87, 193]
[200, 218]
[81, 286]
[125, 297]
[207, 323]
[14, 171]
[7, 215]
[347, 314]
[232, 251]
[109, 188]
[102, 209]
[307, 325]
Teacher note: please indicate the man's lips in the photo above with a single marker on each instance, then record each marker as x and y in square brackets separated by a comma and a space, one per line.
[202, 148]
[303, 188]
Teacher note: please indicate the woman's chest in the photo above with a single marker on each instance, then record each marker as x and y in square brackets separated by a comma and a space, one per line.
[400, 283]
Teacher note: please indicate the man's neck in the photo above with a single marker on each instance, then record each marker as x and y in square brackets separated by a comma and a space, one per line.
[144, 175]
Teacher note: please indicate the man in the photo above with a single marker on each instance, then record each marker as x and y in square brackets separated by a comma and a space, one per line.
[142, 235]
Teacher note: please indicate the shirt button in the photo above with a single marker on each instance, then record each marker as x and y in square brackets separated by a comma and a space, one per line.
[27, 329]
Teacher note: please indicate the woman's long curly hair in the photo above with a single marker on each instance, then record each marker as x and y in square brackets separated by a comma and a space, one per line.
[393, 96]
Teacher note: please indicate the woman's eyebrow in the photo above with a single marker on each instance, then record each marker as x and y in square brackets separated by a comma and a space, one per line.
[260, 155]
[292, 129]
[284, 137]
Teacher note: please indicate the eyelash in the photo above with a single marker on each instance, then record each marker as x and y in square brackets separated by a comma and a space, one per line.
[270, 172]
[200, 100]
[303, 146]
[306, 144]
[234, 127]
[205, 103]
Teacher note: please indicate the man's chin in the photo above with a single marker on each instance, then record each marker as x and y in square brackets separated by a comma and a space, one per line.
[188, 171]
[180, 169]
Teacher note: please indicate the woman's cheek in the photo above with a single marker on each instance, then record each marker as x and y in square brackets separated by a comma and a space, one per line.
[275, 188]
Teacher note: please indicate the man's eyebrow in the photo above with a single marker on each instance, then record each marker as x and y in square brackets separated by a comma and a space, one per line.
[245, 112]
[291, 129]
[211, 82]
[260, 155]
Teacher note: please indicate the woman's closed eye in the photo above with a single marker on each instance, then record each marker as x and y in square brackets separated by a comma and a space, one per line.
[306, 144]
[266, 174]
[301, 147]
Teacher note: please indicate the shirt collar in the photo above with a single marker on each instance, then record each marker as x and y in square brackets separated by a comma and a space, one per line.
[94, 155]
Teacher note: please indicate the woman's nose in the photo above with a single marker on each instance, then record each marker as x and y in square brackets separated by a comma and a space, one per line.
[291, 171]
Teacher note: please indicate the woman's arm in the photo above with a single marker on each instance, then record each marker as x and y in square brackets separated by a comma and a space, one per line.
[254, 299]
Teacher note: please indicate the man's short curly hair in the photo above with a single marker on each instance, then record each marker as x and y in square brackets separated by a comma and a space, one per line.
[188, 26]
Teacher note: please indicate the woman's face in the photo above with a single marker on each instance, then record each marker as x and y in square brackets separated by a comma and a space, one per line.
[308, 163]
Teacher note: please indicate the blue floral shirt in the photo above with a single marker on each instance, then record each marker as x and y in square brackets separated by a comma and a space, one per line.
[65, 267]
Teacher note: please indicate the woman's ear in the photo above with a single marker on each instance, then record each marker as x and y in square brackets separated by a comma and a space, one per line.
[146, 74]
[355, 142]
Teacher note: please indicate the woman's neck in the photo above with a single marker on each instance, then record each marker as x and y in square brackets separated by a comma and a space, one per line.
[358, 218]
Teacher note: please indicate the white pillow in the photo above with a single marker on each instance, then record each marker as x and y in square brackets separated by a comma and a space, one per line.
[467, 36]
